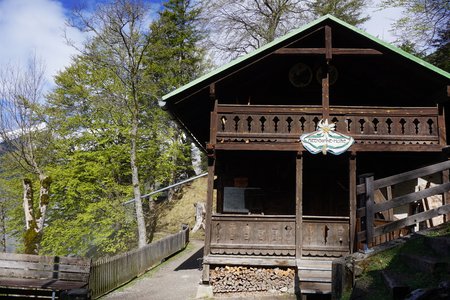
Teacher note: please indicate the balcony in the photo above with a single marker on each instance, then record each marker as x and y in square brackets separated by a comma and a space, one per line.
[373, 128]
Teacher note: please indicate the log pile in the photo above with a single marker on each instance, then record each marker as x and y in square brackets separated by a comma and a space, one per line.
[235, 279]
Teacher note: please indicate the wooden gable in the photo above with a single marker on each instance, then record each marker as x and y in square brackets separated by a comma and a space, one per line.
[368, 72]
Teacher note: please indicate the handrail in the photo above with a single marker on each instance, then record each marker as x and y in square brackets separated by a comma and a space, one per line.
[167, 187]
[370, 208]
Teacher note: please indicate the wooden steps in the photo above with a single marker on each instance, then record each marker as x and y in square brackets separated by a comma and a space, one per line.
[314, 275]
[396, 285]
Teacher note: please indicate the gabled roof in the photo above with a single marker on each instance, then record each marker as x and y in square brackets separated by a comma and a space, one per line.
[205, 79]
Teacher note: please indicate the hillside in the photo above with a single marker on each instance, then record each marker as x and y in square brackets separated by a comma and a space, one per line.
[172, 214]
[422, 261]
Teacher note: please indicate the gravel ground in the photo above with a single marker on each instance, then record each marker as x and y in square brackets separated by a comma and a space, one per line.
[176, 279]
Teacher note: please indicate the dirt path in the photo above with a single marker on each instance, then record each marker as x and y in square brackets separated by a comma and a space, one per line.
[176, 279]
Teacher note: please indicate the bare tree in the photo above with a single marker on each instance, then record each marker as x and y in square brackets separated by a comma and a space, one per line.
[23, 133]
[238, 27]
[422, 21]
[117, 43]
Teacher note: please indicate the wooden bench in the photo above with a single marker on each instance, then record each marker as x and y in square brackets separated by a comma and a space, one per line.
[50, 277]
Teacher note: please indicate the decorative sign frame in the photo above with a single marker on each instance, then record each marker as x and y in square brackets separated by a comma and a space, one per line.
[325, 139]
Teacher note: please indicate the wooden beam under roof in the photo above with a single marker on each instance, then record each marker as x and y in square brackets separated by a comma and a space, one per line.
[334, 51]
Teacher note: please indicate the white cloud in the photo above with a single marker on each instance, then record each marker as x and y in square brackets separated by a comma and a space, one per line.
[35, 26]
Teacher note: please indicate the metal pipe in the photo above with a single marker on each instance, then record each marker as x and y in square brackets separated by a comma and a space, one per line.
[168, 187]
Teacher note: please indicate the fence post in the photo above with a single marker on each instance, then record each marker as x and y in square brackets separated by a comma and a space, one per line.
[363, 201]
[369, 210]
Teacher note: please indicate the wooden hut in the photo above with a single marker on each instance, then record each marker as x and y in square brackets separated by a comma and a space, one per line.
[271, 202]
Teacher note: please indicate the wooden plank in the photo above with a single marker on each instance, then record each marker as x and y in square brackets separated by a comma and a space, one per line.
[41, 283]
[395, 179]
[315, 287]
[411, 220]
[249, 261]
[411, 197]
[26, 257]
[335, 51]
[254, 218]
[23, 273]
[368, 111]
[260, 146]
[252, 246]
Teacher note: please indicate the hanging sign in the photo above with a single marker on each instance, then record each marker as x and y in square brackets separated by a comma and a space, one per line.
[325, 139]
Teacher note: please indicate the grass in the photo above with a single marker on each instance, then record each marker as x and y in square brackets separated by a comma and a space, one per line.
[172, 214]
[371, 282]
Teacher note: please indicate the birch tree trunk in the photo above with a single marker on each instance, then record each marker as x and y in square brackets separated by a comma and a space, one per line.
[28, 203]
[32, 236]
[142, 232]
[44, 197]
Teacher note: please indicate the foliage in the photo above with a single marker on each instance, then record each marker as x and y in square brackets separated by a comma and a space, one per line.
[350, 11]
[175, 56]
[441, 56]
[421, 22]
[27, 141]
[94, 111]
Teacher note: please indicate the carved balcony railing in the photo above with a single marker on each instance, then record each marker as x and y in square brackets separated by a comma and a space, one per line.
[367, 125]
[325, 236]
[274, 235]
[264, 235]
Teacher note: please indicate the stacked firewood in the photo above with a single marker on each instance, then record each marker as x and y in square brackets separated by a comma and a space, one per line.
[231, 279]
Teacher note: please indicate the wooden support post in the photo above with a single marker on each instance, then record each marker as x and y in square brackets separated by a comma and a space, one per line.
[298, 204]
[328, 44]
[369, 209]
[326, 76]
[326, 96]
[210, 192]
[446, 195]
[209, 207]
[352, 196]
[441, 125]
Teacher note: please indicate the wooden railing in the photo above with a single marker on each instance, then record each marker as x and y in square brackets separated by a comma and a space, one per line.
[366, 213]
[109, 273]
[325, 236]
[266, 235]
[367, 125]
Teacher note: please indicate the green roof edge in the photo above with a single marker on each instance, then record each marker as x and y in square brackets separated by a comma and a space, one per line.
[295, 32]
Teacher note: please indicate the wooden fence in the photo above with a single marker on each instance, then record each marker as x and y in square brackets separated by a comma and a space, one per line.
[368, 229]
[111, 272]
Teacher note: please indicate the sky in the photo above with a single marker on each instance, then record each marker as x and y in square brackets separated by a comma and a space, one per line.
[29, 27]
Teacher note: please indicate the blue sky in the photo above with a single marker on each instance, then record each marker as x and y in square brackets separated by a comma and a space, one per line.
[37, 26]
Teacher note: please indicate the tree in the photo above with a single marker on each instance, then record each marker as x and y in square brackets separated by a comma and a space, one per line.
[28, 143]
[117, 43]
[175, 57]
[441, 56]
[91, 172]
[350, 11]
[421, 22]
[241, 26]
[238, 27]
